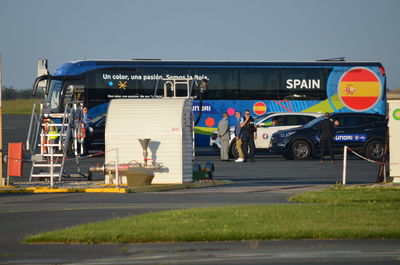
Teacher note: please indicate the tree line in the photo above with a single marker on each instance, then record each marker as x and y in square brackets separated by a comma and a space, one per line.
[9, 93]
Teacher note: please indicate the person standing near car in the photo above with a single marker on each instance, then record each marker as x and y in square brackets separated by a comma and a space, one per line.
[326, 132]
[238, 136]
[249, 133]
[224, 134]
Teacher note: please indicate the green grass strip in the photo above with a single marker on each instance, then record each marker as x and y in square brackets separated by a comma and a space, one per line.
[350, 195]
[19, 106]
[252, 222]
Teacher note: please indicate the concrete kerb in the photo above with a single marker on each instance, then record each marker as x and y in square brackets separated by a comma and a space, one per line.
[111, 189]
[189, 185]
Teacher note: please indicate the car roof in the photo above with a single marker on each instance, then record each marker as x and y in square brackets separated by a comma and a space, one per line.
[355, 114]
[315, 114]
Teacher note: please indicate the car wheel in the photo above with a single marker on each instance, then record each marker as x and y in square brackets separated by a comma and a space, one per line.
[233, 153]
[301, 150]
[375, 150]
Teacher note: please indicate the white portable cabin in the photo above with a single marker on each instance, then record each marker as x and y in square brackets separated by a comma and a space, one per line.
[394, 139]
[168, 122]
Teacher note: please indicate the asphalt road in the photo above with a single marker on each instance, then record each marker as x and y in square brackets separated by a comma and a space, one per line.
[270, 180]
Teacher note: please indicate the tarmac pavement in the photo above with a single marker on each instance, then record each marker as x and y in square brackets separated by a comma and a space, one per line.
[271, 179]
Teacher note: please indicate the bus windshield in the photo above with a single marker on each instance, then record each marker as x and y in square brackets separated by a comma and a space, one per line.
[54, 95]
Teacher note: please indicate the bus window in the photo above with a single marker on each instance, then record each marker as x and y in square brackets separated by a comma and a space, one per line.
[73, 91]
[108, 84]
[258, 83]
[303, 83]
[223, 82]
[54, 94]
[152, 75]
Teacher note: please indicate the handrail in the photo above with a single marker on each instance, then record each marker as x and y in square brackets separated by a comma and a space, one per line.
[33, 125]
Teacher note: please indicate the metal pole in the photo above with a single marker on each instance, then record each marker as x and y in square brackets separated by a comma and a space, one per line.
[384, 172]
[1, 125]
[51, 166]
[117, 168]
[344, 165]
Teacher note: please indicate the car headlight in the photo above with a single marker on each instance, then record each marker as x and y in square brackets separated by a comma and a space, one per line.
[286, 134]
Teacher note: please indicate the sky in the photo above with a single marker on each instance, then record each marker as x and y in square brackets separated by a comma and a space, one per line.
[250, 30]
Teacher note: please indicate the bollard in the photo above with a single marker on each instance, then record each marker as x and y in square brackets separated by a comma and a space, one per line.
[15, 159]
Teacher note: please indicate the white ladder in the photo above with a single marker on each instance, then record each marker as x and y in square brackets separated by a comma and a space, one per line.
[49, 163]
[54, 133]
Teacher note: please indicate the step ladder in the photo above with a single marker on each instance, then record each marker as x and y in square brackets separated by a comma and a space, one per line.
[49, 162]
[49, 139]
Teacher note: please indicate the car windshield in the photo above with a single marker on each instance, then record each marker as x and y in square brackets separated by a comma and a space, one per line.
[314, 122]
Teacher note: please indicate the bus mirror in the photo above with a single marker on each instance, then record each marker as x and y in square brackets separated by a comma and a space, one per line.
[43, 86]
[40, 82]
[42, 70]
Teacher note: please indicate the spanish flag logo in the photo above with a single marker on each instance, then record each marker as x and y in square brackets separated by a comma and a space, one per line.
[259, 108]
[359, 89]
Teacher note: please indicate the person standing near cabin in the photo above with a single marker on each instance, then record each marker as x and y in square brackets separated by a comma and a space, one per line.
[224, 134]
[326, 132]
[238, 135]
[249, 132]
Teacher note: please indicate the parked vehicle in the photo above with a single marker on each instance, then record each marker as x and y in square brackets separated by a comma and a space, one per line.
[363, 132]
[98, 126]
[97, 130]
[332, 85]
[266, 126]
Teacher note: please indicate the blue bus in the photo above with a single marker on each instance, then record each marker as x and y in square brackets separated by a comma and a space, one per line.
[261, 87]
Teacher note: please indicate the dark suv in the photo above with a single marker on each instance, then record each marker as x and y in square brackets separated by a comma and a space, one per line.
[364, 133]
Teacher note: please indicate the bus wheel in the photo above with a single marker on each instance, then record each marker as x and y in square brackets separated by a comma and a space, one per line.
[300, 150]
[233, 153]
[375, 150]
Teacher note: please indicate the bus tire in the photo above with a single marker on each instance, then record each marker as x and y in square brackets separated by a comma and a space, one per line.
[300, 150]
[375, 150]
[233, 153]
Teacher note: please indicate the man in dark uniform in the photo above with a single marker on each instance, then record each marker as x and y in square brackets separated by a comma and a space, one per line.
[326, 132]
[248, 135]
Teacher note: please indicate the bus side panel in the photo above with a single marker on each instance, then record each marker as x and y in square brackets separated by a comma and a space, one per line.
[357, 89]
[348, 89]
